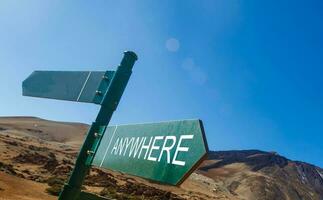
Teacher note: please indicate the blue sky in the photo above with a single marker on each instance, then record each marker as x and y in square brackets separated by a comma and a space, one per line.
[251, 70]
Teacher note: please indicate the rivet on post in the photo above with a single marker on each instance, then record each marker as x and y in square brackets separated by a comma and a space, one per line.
[89, 152]
[97, 135]
[98, 92]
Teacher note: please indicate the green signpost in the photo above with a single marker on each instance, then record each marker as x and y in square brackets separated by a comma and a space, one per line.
[166, 152]
[83, 86]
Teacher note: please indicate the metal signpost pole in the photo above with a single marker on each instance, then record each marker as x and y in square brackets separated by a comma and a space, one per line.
[172, 150]
[72, 189]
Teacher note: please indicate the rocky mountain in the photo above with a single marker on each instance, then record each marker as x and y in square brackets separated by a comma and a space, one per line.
[266, 175]
[37, 155]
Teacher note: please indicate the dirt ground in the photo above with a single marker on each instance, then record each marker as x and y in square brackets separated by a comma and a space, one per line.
[15, 188]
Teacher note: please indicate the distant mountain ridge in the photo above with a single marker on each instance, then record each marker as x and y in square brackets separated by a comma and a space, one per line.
[288, 179]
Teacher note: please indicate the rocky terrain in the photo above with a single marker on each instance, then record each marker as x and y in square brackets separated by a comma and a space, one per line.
[37, 155]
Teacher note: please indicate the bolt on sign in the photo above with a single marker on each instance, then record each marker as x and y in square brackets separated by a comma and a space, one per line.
[166, 152]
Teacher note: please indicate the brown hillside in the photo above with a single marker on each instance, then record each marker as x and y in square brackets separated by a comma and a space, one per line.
[36, 153]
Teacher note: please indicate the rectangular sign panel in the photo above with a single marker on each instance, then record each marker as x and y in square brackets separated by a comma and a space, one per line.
[81, 86]
[166, 152]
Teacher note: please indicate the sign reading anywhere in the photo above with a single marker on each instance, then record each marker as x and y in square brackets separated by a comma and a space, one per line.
[165, 152]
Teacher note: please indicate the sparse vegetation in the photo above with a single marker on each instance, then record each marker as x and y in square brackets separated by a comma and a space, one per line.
[13, 143]
[54, 180]
[137, 191]
[34, 130]
[112, 193]
[56, 184]
[37, 148]
[54, 190]
[7, 168]
[32, 158]
[99, 178]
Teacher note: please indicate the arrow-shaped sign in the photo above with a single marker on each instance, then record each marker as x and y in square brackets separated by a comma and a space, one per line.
[165, 152]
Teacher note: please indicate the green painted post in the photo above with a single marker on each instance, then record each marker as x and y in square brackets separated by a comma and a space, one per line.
[72, 189]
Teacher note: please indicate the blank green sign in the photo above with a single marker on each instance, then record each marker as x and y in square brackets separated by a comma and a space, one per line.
[166, 152]
[81, 86]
